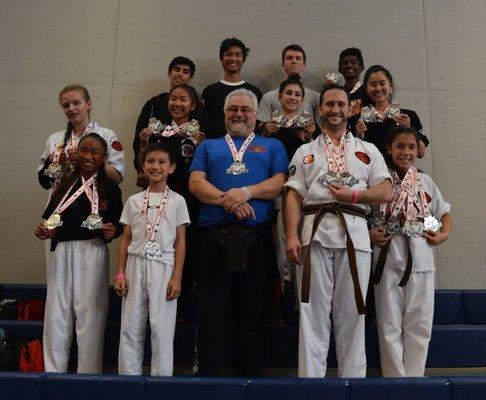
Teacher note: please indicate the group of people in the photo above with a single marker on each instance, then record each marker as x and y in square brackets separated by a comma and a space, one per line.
[239, 191]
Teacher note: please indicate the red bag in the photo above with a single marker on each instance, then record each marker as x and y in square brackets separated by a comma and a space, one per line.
[30, 310]
[31, 358]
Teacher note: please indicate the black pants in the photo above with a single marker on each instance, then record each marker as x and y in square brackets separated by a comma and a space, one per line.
[248, 289]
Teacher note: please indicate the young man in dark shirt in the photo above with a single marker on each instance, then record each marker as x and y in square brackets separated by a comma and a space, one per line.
[232, 54]
[350, 66]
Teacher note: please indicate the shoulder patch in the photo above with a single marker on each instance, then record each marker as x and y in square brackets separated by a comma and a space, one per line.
[363, 157]
[309, 159]
[257, 148]
[117, 145]
[292, 170]
[427, 197]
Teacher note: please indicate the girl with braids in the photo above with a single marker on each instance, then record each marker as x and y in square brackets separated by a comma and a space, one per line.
[403, 236]
[81, 217]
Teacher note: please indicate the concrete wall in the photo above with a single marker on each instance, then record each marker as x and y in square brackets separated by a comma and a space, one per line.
[120, 49]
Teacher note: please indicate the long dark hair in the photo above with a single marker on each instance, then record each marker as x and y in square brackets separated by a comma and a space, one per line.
[372, 70]
[67, 180]
[197, 112]
[293, 79]
[393, 133]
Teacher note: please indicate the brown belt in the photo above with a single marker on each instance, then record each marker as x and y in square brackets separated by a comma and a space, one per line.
[339, 210]
[380, 265]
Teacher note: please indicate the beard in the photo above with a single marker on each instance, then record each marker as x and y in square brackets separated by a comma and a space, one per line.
[240, 128]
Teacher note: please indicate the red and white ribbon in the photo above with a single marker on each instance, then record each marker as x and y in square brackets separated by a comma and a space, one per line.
[65, 202]
[336, 155]
[154, 229]
[238, 155]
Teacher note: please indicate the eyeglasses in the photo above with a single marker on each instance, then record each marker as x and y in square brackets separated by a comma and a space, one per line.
[244, 110]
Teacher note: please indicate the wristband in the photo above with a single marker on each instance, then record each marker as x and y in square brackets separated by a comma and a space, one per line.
[356, 195]
[246, 192]
[119, 276]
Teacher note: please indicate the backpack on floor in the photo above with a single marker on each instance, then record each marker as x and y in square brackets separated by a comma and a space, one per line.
[30, 310]
[31, 358]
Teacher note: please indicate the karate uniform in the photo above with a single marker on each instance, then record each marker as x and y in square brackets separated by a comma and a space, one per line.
[77, 286]
[404, 314]
[331, 287]
[147, 287]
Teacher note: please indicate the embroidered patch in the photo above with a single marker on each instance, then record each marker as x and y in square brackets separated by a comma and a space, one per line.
[257, 148]
[292, 170]
[363, 157]
[117, 145]
[308, 159]
[427, 197]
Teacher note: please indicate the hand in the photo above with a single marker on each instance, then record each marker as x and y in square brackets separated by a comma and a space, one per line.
[435, 238]
[361, 128]
[233, 198]
[245, 211]
[269, 128]
[42, 232]
[294, 250]
[109, 231]
[199, 136]
[341, 193]
[121, 287]
[379, 236]
[173, 288]
[145, 134]
[403, 119]
[308, 130]
[72, 155]
[62, 157]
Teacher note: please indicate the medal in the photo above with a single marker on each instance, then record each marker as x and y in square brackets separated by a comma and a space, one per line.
[54, 170]
[238, 167]
[393, 110]
[393, 227]
[151, 250]
[337, 165]
[302, 120]
[348, 179]
[334, 77]
[431, 224]
[328, 178]
[156, 126]
[53, 222]
[93, 222]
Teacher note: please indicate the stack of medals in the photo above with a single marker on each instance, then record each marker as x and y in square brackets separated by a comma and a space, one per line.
[189, 141]
[298, 121]
[370, 114]
[54, 170]
[334, 77]
[156, 126]
[337, 173]
[152, 249]
[238, 167]
[408, 205]
[93, 220]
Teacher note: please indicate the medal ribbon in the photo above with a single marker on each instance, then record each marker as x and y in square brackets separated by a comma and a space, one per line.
[408, 197]
[388, 113]
[153, 230]
[92, 196]
[63, 204]
[73, 143]
[356, 87]
[171, 130]
[336, 155]
[238, 155]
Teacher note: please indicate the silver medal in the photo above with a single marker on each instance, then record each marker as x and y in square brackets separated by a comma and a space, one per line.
[328, 179]
[431, 224]
[416, 228]
[393, 227]
[54, 170]
[348, 179]
[156, 126]
[394, 110]
[53, 222]
[302, 120]
[92, 222]
[334, 77]
[237, 168]
[151, 251]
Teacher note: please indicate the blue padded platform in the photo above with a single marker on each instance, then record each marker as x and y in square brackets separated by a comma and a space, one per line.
[475, 306]
[398, 389]
[21, 386]
[448, 307]
[93, 387]
[295, 388]
[468, 388]
[196, 388]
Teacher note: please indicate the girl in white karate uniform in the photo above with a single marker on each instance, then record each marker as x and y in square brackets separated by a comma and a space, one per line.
[404, 234]
[81, 217]
[150, 263]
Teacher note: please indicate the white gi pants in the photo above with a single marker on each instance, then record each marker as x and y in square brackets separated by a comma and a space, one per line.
[283, 264]
[147, 288]
[77, 294]
[404, 316]
[332, 289]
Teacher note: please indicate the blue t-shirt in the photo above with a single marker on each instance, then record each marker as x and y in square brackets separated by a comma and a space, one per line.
[264, 158]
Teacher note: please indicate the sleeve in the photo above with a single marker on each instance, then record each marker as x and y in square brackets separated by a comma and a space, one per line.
[182, 217]
[115, 207]
[200, 160]
[45, 161]
[264, 109]
[279, 159]
[50, 208]
[116, 156]
[438, 206]
[378, 168]
[142, 122]
[416, 124]
[258, 93]
[296, 172]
